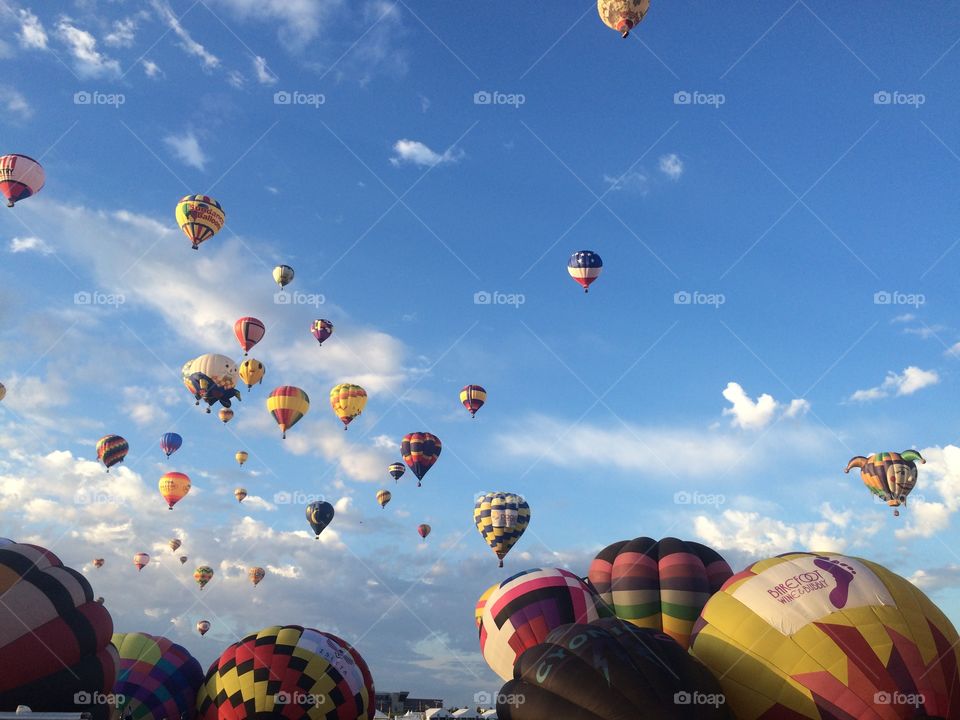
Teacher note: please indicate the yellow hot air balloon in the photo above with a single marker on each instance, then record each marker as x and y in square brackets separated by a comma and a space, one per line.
[240, 493]
[252, 372]
[200, 217]
[622, 15]
[256, 574]
[283, 275]
[288, 404]
[383, 497]
[348, 401]
[242, 456]
[174, 544]
[174, 486]
[226, 415]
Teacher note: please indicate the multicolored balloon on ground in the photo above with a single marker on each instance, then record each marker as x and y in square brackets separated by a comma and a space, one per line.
[659, 584]
[170, 443]
[252, 372]
[823, 635]
[174, 486]
[321, 330]
[585, 266]
[20, 177]
[423, 530]
[347, 401]
[200, 217]
[288, 404]
[55, 647]
[319, 515]
[240, 493]
[112, 449]
[241, 457]
[312, 677]
[157, 679]
[482, 603]
[141, 560]
[283, 275]
[473, 397]
[202, 575]
[249, 332]
[225, 415]
[383, 497]
[501, 519]
[256, 574]
[420, 451]
[396, 470]
[889, 475]
[525, 607]
[203, 626]
[622, 15]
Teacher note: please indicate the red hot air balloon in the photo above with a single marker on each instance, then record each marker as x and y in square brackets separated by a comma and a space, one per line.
[20, 177]
[420, 451]
[249, 332]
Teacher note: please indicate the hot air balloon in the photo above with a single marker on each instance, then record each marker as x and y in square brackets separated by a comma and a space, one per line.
[420, 451]
[396, 470]
[256, 574]
[585, 267]
[473, 397]
[321, 329]
[501, 519]
[288, 404]
[312, 677]
[319, 515]
[202, 627]
[98, 562]
[482, 603]
[3, 391]
[204, 388]
[249, 332]
[240, 493]
[174, 486]
[183, 559]
[348, 401]
[55, 644]
[383, 497]
[423, 530]
[20, 177]
[170, 443]
[141, 560]
[112, 449]
[219, 368]
[609, 670]
[364, 671]
[157, 679]
[252, 372]
[225, 415]
[283, 275]
[889, 475]
[659, 584]
[622, 15]
[524, 608]
[200, 217]
[823, 635]
[203, 575]
[174, 544]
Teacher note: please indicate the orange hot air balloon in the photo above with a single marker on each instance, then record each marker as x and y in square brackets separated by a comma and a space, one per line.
[249, 332]
[141, 560]
[174, 486]
[256, 574]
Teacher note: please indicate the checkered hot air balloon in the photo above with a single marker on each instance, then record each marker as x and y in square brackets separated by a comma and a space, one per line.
[501, 519]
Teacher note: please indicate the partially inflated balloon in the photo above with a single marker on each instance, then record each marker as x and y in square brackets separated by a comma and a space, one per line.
[321, 329]
[319, 515]
[524, 608]
[348, 401]
[174, 486]
[585, 266]
[889, 475]
[157, 680]
[622, 15]
[170, 443]
[20, 177]
[473, 397]
[396, 470]
[203, 626]
[822, 635]
[256, 574]
[288, 404]
[141, 560]
[252, 372]
[112, 449]
[420, 451]
[174, 544]
[202, 575]
[383, 497]
[241, 457]
[240, 493]
[501, 519]
[283, 275]
[423, 530]
[659, 584]
[249, 332]
[55, 651]
[200, 217]
[226, 415]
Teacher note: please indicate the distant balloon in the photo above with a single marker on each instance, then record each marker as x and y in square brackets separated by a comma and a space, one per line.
[225, 415]
[283, 275]
[98, 562]
[321, 329]
[420, 451]
[256, 574]
[20, 177]
[112, 449]
[585, 267]
[252, 372]
[183, 559]
[170, 443]
[141, 560]
[622, 15]
[241, 457]
[288, 404]
[203, 575]
[383, 497]
[396, 470]
[348, 401]
[319, 515]
[423, 530]
[240, 493]
[157, 679]
[174, 544]
[200, 217]
[202, 627]
[889, 475]
[249, 332]
[473, 397]
[174, 486]
[3, 391]
[501, 519]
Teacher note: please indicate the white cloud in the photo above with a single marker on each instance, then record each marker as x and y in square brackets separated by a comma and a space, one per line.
[938, 578]
[631, 181]
[123, 33]
[187, 149]
[936, 496]
[29, 244]
[904, 318]
[83, 47]
[236, 79]
[908, 382]
[32, 34]
[301, 20]
[424, 103]
[191, 46]
[151, 69]
[415, 152]
[265, 76]
[672, 166]
[754, 415]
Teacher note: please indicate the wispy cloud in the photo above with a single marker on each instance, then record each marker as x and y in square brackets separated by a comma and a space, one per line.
[417, 153]
[672, 166]
[264, 75]
[151, 68]
[31, 34]
[29, 244]
[632, 181]
[123, 33]
[187, 149]
[82, 45]
[15, 103]
[191, 46]
[908, 382]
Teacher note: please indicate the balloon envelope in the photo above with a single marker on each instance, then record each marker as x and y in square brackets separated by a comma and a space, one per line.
[112, 449]
[319, 515]
[241, 457]
[200, 217]
[420, 451]
[252, 372]
[249, 332]
[288, 404]
[158, 679]
[174, 486]
[283, 275]
[20, 177]
[473, 397]
[170, 443]
[501, 518]
[585, 266]
[622, 15]
[321, 330]
[348, 401]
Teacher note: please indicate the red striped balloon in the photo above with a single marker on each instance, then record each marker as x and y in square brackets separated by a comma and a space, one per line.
[249, 332]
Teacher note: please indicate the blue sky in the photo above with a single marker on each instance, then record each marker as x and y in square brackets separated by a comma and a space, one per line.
[788, 194]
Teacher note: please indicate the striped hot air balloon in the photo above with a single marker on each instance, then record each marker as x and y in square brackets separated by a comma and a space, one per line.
[501, 519]
[249, 332]
[288, 404]
[348, 401]
[383, 497]
[112, 449]
[473, 397]
[481, 604]
[157, 679]
[170, 443]
[585, 266]
[888, 475]
[321, 330]
[200, 217]
[202, 575]
[256, 574]
[396, 470]
[141, 560]
[20, 177]
[420, 451]
[283, 275]
[174, 544]
[173, 487]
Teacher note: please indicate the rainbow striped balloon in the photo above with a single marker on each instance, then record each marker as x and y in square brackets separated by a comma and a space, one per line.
[288, 404]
